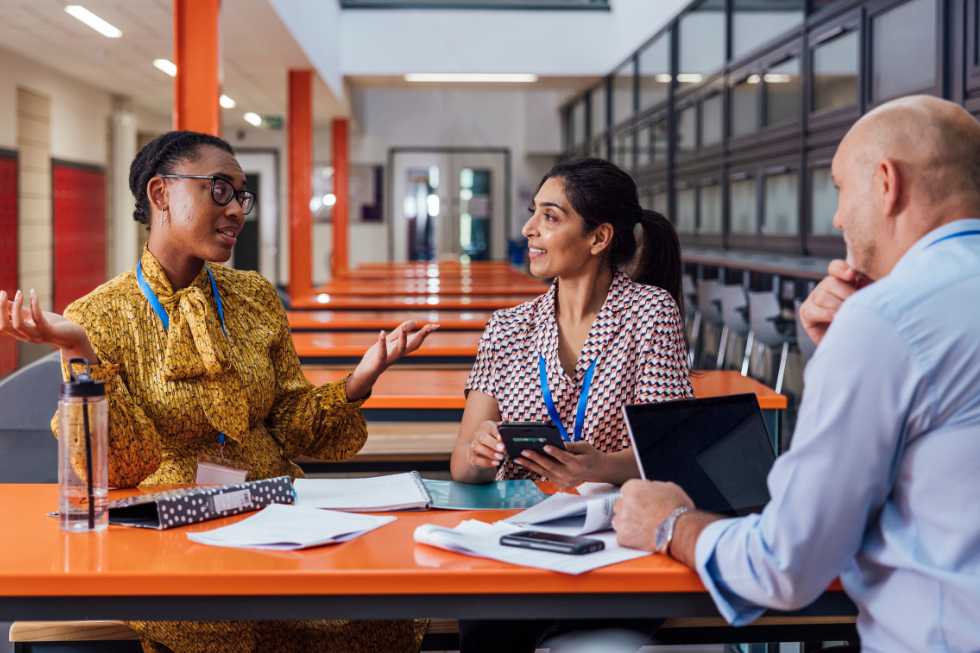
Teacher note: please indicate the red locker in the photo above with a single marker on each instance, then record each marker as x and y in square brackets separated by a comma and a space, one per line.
[8, 252]
[79, 233]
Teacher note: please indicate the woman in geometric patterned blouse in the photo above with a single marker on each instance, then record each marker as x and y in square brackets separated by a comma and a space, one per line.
[172, 390]
[614, 305]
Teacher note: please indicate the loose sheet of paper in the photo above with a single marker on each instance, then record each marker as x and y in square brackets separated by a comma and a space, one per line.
[286, 528]
[377, 494]
[476, 538]
[568, 514]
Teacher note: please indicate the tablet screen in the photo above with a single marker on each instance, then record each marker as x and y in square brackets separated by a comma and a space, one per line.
[717, 449]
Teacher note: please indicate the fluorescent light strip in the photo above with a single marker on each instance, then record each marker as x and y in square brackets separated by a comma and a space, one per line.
[253, 118]
[166, 66]
[93, 21]
[227, 102]
[520, 78]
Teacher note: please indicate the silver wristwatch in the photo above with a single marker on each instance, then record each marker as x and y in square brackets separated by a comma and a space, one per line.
[665, 532]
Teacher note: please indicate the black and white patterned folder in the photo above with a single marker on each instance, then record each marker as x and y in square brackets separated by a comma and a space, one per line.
[173, 508]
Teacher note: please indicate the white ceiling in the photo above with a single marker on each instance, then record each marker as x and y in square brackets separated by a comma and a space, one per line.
[258, 51]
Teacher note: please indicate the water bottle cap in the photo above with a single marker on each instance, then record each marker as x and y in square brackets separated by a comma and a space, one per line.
[82, 385]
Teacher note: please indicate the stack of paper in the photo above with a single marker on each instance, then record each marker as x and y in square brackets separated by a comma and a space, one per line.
[378, 494]
[479, 539]
[568, 514]
[286, 528]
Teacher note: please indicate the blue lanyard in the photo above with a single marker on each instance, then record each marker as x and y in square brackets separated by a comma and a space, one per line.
[583, 400]
[162, 314]
[974, 232]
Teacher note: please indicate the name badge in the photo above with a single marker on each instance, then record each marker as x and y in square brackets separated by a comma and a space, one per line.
[215, 470]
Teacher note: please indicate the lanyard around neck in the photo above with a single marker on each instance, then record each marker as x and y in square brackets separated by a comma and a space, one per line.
[162, 314]
[158, 307]
[973, 232]
[583, 401]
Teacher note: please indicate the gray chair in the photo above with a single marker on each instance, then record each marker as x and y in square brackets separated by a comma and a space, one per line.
[28, 401]
[709, 305]
[803, 339]
[771, 329]
[735, 313]
[692, 315]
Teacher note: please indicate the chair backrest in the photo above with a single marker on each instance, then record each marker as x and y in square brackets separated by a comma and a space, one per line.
[709, 300]
[763, 309]
[803, 339]
[29, 396]
[733, 301]
[690, 296]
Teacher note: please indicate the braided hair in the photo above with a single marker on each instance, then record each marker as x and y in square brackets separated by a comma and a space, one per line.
[160, 157]
[601, 192]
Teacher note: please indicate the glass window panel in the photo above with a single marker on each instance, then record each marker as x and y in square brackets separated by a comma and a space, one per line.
[623, 94]
[578, 122]
[660, 202]
[598, 99]
[599, 148]
[702, 41]
[646, 201]
[687, 129]
[624, 151]
[782, 213]
[744, 210]
[783, 91]
[644, 147]
[903, 50]
[660, 142]
[824, 202]
[745, 106]
[835, 72]
[686, 210]
[710, 209]
[654, 63]
[712, 119]
[757, 22]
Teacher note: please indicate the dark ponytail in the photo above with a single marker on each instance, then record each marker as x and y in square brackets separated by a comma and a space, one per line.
[601, 193]
[160, 157]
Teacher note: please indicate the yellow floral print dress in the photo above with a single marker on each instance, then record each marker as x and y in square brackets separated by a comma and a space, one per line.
[171, 393]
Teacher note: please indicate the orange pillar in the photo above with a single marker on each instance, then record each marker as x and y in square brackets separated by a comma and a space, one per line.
[197, 85]
[341, 190]
[300, 134]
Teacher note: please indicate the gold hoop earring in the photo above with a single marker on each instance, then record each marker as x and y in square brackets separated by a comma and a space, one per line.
[161, 220]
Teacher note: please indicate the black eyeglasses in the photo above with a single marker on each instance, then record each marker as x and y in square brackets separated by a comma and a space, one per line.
[222, 191]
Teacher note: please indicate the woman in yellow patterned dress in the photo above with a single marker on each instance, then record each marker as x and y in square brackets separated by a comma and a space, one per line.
[225, 364]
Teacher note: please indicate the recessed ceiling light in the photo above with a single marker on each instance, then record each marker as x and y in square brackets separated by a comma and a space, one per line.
[689, 78]
[253, 118]
[226, 102]
[93, 21]
[523, 78]
[166, 66]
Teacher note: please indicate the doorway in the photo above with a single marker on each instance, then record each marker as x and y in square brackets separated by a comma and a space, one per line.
[449, 204]
[258, 242]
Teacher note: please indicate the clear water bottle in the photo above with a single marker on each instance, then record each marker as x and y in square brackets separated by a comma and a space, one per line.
[83, 446]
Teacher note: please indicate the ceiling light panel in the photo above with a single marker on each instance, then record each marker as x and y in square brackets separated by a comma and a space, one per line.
[93, 21]
[519, 78]
[166, 66]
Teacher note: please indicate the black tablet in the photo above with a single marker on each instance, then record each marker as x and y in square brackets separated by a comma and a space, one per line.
[717, 449]
[531, 436]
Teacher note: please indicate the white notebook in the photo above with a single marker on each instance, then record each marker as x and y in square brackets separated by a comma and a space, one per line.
[569, 514]
[286, 528]
[378, 494]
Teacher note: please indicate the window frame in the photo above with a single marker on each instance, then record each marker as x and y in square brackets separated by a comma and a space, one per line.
[654, 165]
[851, 21]
[876, 8]
[972, 46]
[819, 244]
[741, 173]
[611, 90]
[789, 243]
[789, 127]
[734, 79]
[667, 33]
[713, 179]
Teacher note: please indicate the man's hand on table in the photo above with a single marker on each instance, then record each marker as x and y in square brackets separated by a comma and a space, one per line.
[642, 508]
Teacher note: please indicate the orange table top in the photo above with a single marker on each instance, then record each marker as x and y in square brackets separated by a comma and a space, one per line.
[38, 560]
[408, 302]
[343, 344]
[443, 389]
[417, 274]
[526, 286]
[377, 320]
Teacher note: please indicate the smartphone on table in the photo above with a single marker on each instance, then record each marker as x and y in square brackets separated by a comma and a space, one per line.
[567, 544]
[530, 436]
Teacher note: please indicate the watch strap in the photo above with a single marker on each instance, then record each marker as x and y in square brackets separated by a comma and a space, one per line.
[665, 532]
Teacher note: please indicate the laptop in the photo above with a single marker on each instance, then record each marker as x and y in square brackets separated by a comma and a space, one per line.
[717, 449]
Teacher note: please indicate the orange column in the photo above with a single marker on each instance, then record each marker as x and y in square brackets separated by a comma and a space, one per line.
[300, 128]
[341, 190]
[197, 85]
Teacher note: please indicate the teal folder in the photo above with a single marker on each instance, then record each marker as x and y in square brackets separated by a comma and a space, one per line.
[499, 495]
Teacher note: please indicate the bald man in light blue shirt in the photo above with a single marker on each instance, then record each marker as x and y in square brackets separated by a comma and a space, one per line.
[881, 485]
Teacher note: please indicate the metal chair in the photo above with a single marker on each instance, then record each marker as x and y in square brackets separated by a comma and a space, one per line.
[692, 315]
[771, 329]
[709, 305]
[735, 313]
[803, 339]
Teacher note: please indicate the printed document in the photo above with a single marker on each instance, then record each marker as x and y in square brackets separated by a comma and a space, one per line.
[282, 527]
[377, 494]
[568, 514]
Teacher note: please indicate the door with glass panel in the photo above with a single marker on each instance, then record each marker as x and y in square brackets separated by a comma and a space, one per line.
[449, 205]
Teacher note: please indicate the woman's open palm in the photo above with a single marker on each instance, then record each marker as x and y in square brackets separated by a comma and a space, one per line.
[383, 354]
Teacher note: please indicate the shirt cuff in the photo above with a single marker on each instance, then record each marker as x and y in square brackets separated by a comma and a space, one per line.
[736, 610]
[103, 372]
[347, 403]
